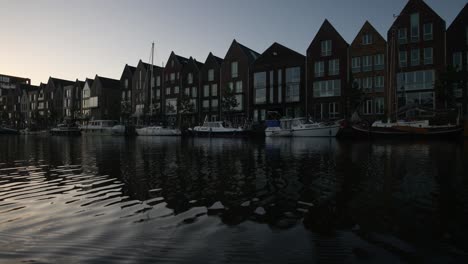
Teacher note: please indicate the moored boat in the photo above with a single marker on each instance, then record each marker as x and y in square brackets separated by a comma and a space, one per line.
[99, 127]
[302, 128]
[158, 131]
[278, 128]
[218, 129]
[8, 131]
[66, 130]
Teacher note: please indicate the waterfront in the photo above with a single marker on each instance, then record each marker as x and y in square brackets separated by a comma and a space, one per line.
[200, 200]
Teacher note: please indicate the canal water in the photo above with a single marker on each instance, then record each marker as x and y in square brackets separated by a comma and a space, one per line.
[175, 200]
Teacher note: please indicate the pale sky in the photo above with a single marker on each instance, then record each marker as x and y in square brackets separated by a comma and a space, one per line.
[78, 39]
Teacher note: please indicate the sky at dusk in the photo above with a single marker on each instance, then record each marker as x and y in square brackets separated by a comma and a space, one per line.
[79, 39]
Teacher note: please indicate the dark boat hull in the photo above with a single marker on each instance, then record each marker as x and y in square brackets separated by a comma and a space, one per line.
[219, 134]
[8, 131]
[448, 133]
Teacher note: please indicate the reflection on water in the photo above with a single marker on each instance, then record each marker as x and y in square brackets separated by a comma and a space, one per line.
[110, 199]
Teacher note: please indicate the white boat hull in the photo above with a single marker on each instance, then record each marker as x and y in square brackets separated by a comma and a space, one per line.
[157, 131]
[330, 131]
[277, 132]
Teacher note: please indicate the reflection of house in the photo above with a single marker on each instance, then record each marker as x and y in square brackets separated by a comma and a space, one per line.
[10, 99]
[235, 75]
[146, 90]
[368, 57]
[172, 84]
[100, 97]
[327, 66]
[457, 54]
[278, 83]
[417, 41]
[210, 100]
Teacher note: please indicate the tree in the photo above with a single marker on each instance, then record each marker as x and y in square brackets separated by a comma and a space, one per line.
[184, 106]
[355, 97]
[229, 101]
[125, 110]
[445, 87]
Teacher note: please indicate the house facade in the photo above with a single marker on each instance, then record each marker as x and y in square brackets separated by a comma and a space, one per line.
[72, 100]
[416, 41]
[457, 57]
[327, 72]
[54, 99]
[368, 53]
[210, 88]
[171, 87]
[126, 87]
[190, 83]
[235, 80]
[10, 99]
[99, 99]
[278, 82]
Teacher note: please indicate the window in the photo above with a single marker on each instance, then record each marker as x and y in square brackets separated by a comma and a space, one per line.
[194, 104]
[187, 91]
[158, 81]
[293, 80]
[379, 105]
[190, 78]
[414, 27]
[403, 59]
[416, 80]
[158, 93]
[206, 90]
[379, 62]
[231, 86]
[326, 47]
[206, 105]
[427, 31]
[414, 57]
[319, 69]
[367, 84]
[457, 61]
[234, 72]
[428, 56]
[367, 63]
[240, 105]
[126, 83]
[334, 67]
[123, 95]
[379, 83]
[367, 107]
[280, 86]
[214, 90]
[262, 114]
[367, 39]
[327, 88]
[356, 64]
[194, 91]
[168, 90]
[271, 92]
[211, 75]
[171, 106]
[177, 75]
[239, 87]
[152, 81]
[172, 77]
[256, 115]
[176, 89]
[402, 36]
[214, 104]
[333, 110]
[260, 87]
[357, 83]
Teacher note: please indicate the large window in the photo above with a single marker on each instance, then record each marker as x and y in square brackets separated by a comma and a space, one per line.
[367, 84]
[457, 61]
[428, 56]
[319, 69]
[239, 87]
[206, 90]
[414, 57]
[171, 106]
[402, 36]
[271, 90]
[416, 80]
[356, 64]
[414, 27]
[211, 75]
[420, 98]
[403, 58]
[190, 78]
[333, 110]
[214, 90]
[206, 105]
[280, 86]
[334, 67]
[367, 39]
[293, 82]
[326, 47]
[428, 31]
[234, 69]
[379, 105]
[367, 63]
[260, 87]
[379, 83]
[367, 107]
[194, 91]
[379, 62]
[327, 88]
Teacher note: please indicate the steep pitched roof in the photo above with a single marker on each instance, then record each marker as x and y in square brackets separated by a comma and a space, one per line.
[277, 46]
[108, 82]
[326, 25]
[412, 3]
[182, 60]
[89, 81]
[63, 82]
[367, 27]
[251, 54]
[463, 14]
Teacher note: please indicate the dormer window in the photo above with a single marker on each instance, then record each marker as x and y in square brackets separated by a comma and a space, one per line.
[367, 39]
[326, 47]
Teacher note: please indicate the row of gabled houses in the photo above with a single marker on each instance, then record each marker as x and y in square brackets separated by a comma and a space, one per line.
[390, 72]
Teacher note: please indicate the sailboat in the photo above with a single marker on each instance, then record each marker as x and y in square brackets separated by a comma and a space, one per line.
[156, 130]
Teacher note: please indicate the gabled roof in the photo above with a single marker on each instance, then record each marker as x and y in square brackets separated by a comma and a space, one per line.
[463, 14]
[108, 82]
[326, 25]
[89, 81]
[368, 28]
[216, 59]
[277, 46]
[79, 83]
[410, 4]
[251, 54]
[63, 82]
